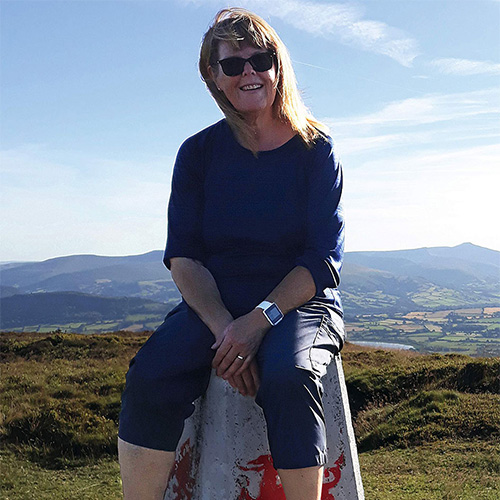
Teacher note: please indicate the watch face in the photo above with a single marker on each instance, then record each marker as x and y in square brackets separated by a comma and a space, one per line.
[273, 313]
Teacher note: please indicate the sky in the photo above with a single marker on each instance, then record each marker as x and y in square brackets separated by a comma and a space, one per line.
[97, 96]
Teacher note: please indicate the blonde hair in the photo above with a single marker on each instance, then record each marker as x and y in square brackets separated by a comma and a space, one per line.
[237, 26]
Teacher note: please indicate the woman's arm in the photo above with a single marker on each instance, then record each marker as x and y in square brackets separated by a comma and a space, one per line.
[199, 290]
[185, 252]
[296, 288]
[244, 335]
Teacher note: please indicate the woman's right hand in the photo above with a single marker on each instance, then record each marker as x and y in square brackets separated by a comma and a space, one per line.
[246, 383]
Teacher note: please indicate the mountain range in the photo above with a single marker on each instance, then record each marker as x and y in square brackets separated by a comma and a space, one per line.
[372, 282]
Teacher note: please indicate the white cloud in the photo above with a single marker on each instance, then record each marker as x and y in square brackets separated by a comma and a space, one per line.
[426, 110]
[465, 67]
[470, 161]
[342, 21]
[444, 136]
[442, 122]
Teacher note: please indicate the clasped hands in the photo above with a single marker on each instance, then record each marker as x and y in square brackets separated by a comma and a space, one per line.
[240, 339]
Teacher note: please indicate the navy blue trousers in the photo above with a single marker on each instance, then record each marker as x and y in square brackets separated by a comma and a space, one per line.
[173, 369]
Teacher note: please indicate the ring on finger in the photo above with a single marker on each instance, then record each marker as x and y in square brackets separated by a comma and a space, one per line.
[241, 357]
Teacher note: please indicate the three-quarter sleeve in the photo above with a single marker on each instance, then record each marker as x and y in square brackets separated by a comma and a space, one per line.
[184, 229]
[324, 245]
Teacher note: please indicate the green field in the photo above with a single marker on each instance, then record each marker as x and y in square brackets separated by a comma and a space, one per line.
[475, 332]
[472, 331]
[440, 471]
[22, 479]
[445, 471]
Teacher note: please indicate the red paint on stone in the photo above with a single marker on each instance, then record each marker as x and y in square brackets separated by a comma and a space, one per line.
[269, 488]
[183, 489]
[269, 483]
[331, 477]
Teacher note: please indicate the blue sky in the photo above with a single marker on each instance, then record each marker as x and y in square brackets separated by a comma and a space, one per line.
[97, 96]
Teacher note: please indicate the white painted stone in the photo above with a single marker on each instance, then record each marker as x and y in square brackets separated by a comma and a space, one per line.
[224, 454]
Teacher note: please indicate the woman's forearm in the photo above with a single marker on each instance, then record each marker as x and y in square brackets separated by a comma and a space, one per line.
[245, 334]
[199, 290]
[295, 289]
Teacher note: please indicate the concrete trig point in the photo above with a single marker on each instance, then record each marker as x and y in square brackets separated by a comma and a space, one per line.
[224, 454]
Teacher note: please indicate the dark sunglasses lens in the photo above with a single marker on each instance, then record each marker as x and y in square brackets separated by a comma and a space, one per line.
[262, 62]
[232, 66]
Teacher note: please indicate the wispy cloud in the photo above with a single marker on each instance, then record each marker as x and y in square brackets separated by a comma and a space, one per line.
[465, 67]
[428, 109]
[440, 122]
[424, 169]
[342, 21]
[445, 137]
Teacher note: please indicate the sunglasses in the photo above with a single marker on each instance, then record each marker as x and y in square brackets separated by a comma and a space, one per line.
[233, 66]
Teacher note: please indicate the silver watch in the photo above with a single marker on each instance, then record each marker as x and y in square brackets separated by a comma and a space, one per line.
[271, 312]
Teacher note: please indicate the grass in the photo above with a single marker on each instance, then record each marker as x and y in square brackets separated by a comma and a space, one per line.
[447, 470]
[443, 471]
[22, 479]
[61, 394]
[430, 416]
[380, 377]
[428, 426]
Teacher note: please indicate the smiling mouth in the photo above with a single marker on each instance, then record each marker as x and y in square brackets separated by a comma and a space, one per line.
[255, 86]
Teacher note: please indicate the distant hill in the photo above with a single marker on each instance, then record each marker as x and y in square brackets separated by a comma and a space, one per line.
[72, 307]
[455, 266]
[372, 282]
[142, 276]
[401, 280]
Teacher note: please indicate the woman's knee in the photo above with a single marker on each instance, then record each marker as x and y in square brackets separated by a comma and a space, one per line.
[288, 382]
[164, 388]
[154, 407]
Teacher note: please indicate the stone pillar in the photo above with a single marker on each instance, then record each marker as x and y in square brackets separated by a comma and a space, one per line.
[224, 455]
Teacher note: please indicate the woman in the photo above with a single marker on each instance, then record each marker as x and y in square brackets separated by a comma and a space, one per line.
[255, 246]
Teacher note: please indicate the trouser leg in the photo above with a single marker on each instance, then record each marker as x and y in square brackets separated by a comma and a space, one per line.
[292, 359]
[166, 376]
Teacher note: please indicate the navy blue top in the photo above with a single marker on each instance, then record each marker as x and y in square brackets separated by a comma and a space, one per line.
[250, 220]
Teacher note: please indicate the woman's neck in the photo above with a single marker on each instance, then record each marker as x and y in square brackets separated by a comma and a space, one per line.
[269, 132]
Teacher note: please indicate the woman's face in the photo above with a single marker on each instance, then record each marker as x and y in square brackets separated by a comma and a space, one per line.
[251, 93]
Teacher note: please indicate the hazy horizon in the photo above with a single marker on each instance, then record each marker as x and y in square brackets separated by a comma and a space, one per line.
[3, 262]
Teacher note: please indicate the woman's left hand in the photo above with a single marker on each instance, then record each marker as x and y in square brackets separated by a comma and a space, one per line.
[247, 383]
[241, 339]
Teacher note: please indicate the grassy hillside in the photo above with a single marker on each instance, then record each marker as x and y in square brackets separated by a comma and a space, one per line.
[428, 426]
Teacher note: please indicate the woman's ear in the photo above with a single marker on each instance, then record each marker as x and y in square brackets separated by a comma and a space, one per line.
[211, 73]
[213, 76]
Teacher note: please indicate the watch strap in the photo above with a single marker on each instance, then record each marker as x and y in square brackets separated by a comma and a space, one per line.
[268, 307]
[264, 304]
